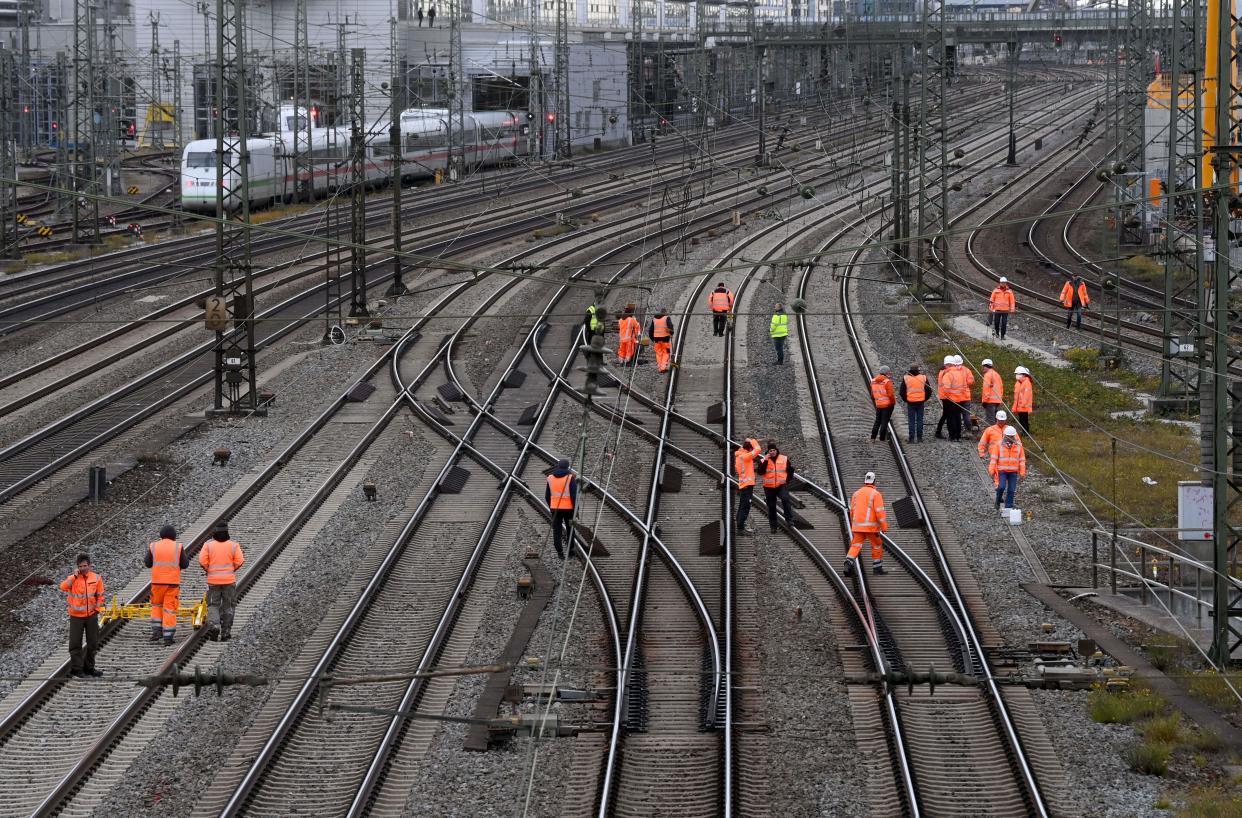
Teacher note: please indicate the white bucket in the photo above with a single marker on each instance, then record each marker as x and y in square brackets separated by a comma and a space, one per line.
[1013, 516]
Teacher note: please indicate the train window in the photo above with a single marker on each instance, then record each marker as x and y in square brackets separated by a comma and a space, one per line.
[200, 160]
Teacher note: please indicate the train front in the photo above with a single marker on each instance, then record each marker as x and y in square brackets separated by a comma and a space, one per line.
[198, 179]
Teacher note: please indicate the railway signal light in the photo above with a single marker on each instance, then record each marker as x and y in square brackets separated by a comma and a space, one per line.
[215, 313]
[551, 117]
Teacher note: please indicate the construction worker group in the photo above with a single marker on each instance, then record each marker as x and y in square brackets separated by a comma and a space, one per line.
[166, 557]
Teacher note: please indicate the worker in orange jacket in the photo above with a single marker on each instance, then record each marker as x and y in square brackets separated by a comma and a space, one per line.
[628, 331]
[561, 495]
[953, 384]
[993, 394]
[914, 391]
[1023, 398]
[746, 460]
[867, 520]
[885, 398]
[1074, 299]
[1000, 305]
[777, 470]
[86, 596]
[992, 434]
[720, 301]
[166, 558]
[1006, 463]
[220, 557]
[660, 330]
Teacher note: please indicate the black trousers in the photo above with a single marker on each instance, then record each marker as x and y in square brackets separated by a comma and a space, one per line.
[770, 496]
[562, 525]
[83, 626]
[951, 414]
[1000, 323]
[720, 321]
[880, 427]
[1024, 420]
[744, 497]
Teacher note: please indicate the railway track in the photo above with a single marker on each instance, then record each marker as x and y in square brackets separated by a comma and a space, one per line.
[488, 442]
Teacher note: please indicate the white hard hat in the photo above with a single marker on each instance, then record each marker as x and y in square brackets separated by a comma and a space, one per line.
[986, 362]
[1010, 431]
[957, 360]
[1000, 415]
[1004, 280]
[1022, 370]
[869, 477]
[948, 359]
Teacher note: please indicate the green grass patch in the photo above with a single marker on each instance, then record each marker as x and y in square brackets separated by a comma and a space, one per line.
[55, 256]
[1083, 359]
[1211, 802]
[1143, 268]
[1149, 758]
[1166, 729]
[274, 213]
[1072, 428]
[1123, 706]
[1211, 687]
[923, 325]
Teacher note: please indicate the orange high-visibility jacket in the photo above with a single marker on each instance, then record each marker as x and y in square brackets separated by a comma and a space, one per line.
[86, 593]
[1007, 458]
[559, 488]
[720, 300]
[744, 463]
[867, 511]
[993, 387]
[1001, 300]
[991, 435]
[916, 387]
[1023, 394]
[954, 385]
[166, 562]
[660, 329]
[629, 329]
[1067, 294]
[221, 560]
[882, 392]
[777, 472]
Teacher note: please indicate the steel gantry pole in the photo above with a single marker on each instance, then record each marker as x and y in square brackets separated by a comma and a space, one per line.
[563, 132]
[84, 190]
[932, 150]
[1225, 97]
[236, 388]
[398, 103]
[303, 167]
[1015, 48]
[155, 109]
[637, 67]
[107, 126]
[457, 95]
[9, 121]
[178, 134]
[1128, 182]
[357, 184]
[1181, 359]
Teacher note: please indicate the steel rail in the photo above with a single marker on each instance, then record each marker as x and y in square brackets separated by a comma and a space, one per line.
[120, 725]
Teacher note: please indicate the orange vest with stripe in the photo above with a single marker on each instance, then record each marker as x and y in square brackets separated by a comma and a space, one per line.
[660, 328]
[86, 593]
[221, 560]
[166, 562]
[720, 301]
[559, 488]
[916, 387]
[777, 472]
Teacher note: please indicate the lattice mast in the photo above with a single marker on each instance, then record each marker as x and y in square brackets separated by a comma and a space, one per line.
[1184, 275]
[84, 191]
[9, 121]
[932, 149]
[357, 184]
[236, 389]
[303, 167]
[1222, 401]
[564, 135]
[457, 95]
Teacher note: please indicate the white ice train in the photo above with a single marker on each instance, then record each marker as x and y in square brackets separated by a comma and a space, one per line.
[490, 138]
